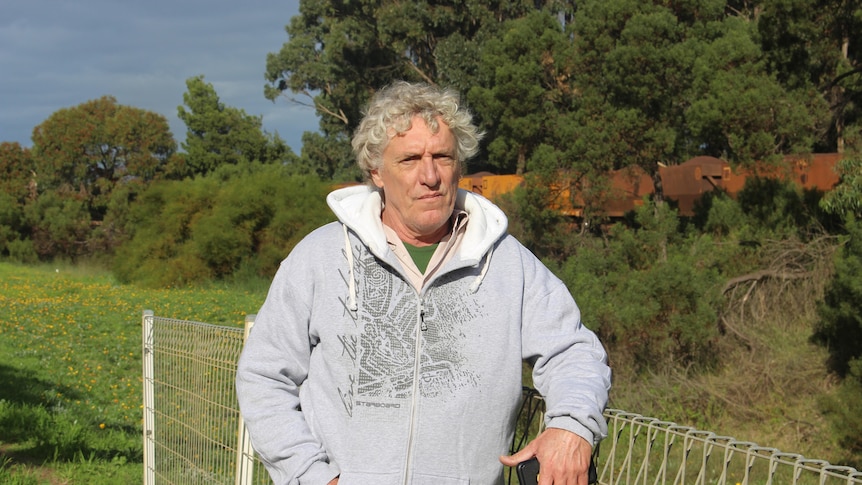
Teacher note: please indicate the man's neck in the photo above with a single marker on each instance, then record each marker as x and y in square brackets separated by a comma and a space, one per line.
[420, 240]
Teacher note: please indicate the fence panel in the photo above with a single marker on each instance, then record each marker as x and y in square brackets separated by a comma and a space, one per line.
[191, 416]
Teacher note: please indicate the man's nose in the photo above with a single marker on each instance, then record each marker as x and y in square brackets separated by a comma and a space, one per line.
[429, 172]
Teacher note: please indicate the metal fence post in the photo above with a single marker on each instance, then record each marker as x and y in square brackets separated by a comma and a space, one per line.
[149, 405]
[245, 453]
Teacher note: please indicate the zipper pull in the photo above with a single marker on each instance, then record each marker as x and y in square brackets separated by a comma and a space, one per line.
[423, 326]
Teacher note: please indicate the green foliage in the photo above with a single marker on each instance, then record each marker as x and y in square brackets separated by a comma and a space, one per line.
[665, 82]
[16, 172]
[846, 198]
[59, 225]
[774, 206]
[651, 295]
[80, 157]
[11, 221]
[328, 158]
[222, 135]
[339, 53]
[765, 209]
[211, 227]
[840, 326]
[811, 46]
[717, 214]
[535, 223]
[22, 251]
[527, 61]
[844, 412]
[87, 149]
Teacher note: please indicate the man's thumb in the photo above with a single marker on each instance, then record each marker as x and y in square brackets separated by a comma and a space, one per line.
[512, 460]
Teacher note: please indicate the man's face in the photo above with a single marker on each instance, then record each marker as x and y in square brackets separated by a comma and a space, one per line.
[419, 178]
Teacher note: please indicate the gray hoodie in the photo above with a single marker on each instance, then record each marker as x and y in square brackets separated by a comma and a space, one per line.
[350, 371]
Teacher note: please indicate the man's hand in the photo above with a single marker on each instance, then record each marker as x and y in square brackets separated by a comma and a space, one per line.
[564, 457]
[334, 481]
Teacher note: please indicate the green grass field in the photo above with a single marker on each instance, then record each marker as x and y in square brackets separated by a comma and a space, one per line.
[70, 373]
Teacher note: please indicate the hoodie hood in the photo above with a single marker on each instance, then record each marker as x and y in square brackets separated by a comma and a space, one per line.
[359, 207]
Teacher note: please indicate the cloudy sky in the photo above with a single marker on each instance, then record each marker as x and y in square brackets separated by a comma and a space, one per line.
[60, 53]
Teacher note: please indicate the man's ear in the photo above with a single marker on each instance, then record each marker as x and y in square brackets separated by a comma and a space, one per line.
[376, 178]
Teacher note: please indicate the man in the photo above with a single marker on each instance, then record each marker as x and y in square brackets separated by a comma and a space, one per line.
[389, 347]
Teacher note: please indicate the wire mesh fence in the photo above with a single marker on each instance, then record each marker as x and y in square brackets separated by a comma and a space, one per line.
[193, 433]
[641, 450]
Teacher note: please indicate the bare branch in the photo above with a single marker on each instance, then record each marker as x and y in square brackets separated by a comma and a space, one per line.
[421, 73]
[763, 275]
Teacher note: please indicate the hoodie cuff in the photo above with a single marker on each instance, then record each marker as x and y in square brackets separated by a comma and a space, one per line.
[570, 424]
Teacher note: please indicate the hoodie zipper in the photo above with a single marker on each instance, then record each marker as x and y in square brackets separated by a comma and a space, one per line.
[420, 310]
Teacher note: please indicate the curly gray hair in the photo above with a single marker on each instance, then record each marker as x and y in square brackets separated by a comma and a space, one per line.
[392, 110]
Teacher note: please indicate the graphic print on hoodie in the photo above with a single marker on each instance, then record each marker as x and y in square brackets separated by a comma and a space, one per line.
[383, 347]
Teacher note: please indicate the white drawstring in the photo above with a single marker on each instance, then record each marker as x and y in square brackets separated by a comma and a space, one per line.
[351, 283]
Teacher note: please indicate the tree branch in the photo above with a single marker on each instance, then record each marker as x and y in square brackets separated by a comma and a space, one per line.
[421, 73]
[842, 76]
[763, 275]
[319, 107]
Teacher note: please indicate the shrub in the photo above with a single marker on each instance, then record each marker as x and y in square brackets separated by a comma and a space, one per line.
[844, 412]
[840, 311]
[651, 294]
[235, 219]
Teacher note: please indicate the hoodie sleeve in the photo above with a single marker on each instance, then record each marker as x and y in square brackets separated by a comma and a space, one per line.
[569, 363]
[272, 367]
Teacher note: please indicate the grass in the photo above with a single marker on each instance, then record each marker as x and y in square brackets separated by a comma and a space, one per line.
[70, 376]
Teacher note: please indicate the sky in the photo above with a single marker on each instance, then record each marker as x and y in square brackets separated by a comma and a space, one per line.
[60, 53]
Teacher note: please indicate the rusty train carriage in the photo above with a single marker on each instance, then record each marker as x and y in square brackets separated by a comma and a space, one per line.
[684, 183]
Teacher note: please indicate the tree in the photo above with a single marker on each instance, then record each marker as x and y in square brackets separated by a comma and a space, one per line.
[17, 176]
[339, 53]
[17, 185]
[811, 46]
[60, 226]
[221, 135]
[529, 62]
[81, 156]
[840, 311]
[85, 151]
[664, 82]
[328, 158]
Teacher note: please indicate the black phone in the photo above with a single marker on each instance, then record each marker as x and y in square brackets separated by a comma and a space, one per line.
[528, 472]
